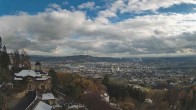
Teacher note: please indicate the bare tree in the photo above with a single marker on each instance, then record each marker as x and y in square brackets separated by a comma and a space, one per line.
[20, 60]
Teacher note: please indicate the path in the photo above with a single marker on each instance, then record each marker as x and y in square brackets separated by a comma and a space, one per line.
[25, 101]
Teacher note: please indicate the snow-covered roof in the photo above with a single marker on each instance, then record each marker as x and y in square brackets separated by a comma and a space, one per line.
[18, 79]
[73, 107]
[25, 73]
[47, 96]
[148, 101]
[43, 78]
[76, 106]
[105, 94]
[42, 106]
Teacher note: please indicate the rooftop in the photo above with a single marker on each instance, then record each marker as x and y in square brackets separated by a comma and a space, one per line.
[18, 79]
[43, 78]
[47, 96]
[25, 73]
[42, 106]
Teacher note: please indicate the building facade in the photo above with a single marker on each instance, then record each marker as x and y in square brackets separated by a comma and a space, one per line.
[34, 79]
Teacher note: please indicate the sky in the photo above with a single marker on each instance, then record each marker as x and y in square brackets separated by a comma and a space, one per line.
[110, 28]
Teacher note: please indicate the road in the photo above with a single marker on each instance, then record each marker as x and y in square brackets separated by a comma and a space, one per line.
[25, 101]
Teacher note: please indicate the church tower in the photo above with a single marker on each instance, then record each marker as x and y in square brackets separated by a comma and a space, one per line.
[37, 66]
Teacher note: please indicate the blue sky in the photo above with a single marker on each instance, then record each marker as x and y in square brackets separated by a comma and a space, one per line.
[99, 27]
[10, 7]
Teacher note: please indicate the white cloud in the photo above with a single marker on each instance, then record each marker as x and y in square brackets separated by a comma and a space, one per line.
[112, 10]
[53, 6]
[141, 5]
[41, 31]
[63, 32]
[107, 13]
[88, 5]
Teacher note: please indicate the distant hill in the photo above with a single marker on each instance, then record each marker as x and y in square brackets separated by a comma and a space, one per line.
[80, 58]
[183, 62]
[87, 58]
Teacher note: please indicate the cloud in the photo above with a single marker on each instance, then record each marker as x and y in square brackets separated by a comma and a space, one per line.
[52, 7]
[88, 5]
[139, 6]
[112, 9]
[63, 32]
[39, 32]
[142, 5]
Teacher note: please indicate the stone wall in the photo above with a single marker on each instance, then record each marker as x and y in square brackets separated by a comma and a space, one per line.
[35, 85]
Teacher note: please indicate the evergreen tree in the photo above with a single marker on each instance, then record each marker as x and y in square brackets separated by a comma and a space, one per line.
[72, 90]
[15, 61]
[4, 63]
[0, 53]
[0, 43]
[5, 59]
[52, 73]
[106, 80]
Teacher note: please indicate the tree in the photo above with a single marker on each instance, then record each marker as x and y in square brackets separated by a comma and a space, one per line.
[106, 80]
[120, 92]
[52, 74]
[87, 84]
[20, 60]
[127, 105]
[4, 64]
[0, 43]
[72, 90]
[15, 61]
[93, 101]
[3, 102]
[5, 60]
[25, 60]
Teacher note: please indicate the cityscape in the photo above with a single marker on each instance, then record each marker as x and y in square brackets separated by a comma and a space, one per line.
[149, 73]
